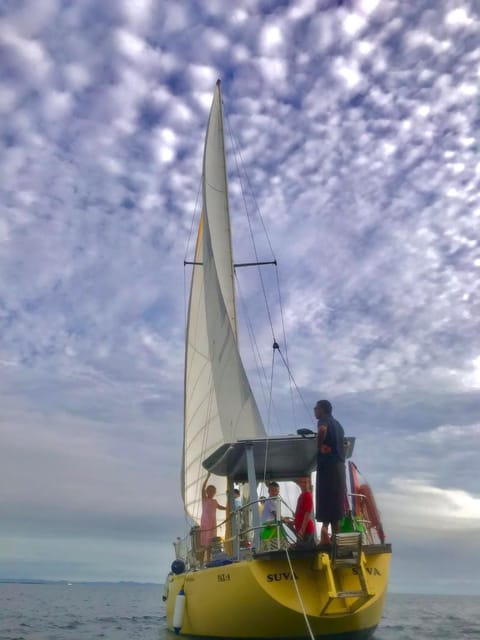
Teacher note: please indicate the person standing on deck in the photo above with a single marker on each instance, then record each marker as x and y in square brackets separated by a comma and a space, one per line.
[237, 499]
[208, 522]
[271, 511]
[303, 521]
[331, 487]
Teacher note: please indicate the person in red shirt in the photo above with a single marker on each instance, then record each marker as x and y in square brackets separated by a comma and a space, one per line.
[303, 520]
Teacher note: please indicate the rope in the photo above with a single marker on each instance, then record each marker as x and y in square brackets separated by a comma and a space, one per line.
[237, 154]
[186, 296]
[252, 192]
[295, 384]
[239, 163]
[292, 573]
[187, 520]
[270, 395]
[238, 157]
[185, 310]
[285, 342]
[253, 342]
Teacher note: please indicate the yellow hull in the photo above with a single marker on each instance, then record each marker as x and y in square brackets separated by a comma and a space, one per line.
[261, 598]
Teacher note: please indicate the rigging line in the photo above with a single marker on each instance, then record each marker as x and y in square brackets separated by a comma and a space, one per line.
[203, 447]
[193, 219]
[300, 600]
[260, 367]
[265, 462]
[208, 417]
[235, 145]
[285, 343]
[264, 383]
[271, 382]
[255, 348]
[185, 305]
[267, 398]
[269, 414]
[296, 386]
[251, 190]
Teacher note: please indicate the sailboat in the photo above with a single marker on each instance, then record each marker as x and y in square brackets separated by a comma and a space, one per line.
[252, 585]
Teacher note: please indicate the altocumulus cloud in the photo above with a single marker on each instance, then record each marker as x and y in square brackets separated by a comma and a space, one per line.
[356, 125]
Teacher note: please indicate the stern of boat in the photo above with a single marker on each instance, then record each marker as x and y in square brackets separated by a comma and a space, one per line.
[286, 594]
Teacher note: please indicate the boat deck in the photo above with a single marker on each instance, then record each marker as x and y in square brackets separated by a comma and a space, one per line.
[368, 550]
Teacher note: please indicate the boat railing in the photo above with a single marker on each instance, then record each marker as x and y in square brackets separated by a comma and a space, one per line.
[239, 538]
[272, 534]
[238, 541]
[360, 518]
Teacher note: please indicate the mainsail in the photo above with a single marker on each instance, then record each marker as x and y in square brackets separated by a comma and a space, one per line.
[219, 404]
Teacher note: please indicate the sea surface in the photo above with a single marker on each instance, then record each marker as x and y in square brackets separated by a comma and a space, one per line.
[136, 612]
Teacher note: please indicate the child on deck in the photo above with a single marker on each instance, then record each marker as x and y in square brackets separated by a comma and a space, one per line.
[208, 522]
[302, 523]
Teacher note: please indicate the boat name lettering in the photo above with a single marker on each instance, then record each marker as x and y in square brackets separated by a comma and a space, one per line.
[223, 577]
[284, 575]
[371, 570]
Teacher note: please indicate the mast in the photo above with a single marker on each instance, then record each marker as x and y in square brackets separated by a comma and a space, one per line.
[216, 204]
[219, 406]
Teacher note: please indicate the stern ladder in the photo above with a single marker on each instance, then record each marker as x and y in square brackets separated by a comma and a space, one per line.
[346, 552]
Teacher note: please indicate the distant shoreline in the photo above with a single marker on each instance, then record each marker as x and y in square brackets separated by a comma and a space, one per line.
[67, 582]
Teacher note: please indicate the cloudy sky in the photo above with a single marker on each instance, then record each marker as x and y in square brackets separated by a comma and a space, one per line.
[355, 125]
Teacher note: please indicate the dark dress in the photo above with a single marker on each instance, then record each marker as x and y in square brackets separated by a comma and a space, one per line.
[331, 486]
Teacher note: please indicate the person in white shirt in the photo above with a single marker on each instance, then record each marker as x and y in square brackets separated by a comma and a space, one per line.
[271, 507]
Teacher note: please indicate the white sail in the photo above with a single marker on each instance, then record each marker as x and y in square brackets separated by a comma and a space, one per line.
[219, 404]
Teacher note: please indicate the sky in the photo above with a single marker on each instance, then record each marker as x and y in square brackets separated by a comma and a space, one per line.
[352, 136]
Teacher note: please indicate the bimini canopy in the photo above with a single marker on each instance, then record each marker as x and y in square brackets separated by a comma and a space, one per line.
[280, 458]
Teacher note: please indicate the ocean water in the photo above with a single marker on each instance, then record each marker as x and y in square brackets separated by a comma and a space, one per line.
[136, 612]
